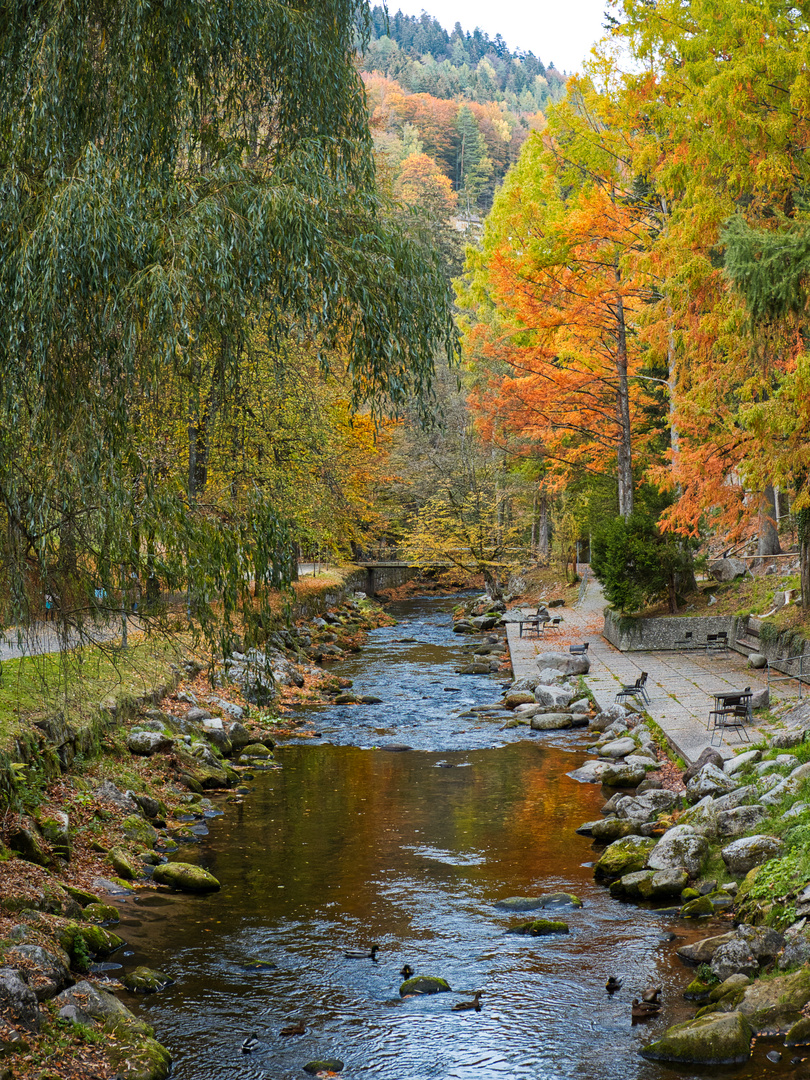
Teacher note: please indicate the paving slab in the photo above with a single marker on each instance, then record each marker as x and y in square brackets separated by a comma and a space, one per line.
[680, 683]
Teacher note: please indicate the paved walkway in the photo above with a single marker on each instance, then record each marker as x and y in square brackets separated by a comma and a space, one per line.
[680, 683]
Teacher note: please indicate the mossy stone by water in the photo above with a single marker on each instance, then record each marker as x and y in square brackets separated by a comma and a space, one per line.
[698, 990]
[185, 877]
[540, 927]
[124, 865]
[101, 913]
[424, 984]
[624, 856]
[135, 828]
[323, 1065]
[716, 1039]
[799, 1034]
[256, 750]
[81, 896]
[139, 1058]
[145, 980]
[698, 908]
[532, 903]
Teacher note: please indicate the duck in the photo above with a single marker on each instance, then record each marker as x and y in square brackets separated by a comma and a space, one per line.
[362, 954]
[462, 1006]
[644, 1010]
[613, 984]
[297, 1028]
[407, 972]
[651, 995]
[250, 1044]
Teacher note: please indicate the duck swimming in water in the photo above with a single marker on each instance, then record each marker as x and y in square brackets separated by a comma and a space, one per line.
[651, 995]
[462, 1006]
[250, 1044]
[644, 1010]
[407, 972]
[613, 984]
[362, 954]
[297, 1028]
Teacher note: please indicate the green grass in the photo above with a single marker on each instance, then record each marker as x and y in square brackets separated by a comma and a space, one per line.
[77, 682]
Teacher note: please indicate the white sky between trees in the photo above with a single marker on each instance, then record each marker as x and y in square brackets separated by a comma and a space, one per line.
[557, 31]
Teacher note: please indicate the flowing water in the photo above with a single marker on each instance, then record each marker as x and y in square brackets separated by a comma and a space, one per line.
[349, 844]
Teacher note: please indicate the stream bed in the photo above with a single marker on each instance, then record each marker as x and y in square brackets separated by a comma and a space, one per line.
[353, 842]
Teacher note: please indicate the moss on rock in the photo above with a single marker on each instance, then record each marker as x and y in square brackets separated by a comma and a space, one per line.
[185, 877]
[424, 984]
[714, 1039]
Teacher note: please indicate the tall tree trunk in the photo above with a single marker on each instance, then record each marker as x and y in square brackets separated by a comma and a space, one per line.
[768, 541]
[803, 522]
[625, 447]
[542, 542]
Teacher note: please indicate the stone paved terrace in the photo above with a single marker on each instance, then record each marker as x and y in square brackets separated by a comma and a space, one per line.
[680, 684]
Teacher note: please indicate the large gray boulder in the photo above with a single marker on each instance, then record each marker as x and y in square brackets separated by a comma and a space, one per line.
[47, 970]
[623, 774]
[741, 819]
[708, 755]
[589, 773]
[618, 748]
[734, 764]
[734, 958]
[744, 854]
[558, 696]
[773, 1006]
[564, 662]
[701, 952]
[18, 1000]
[711, 780]
[553, 721]
[702, 816]
[682, 847]
[146, 743]
[645, 807]
[728, 569]
[663, 883]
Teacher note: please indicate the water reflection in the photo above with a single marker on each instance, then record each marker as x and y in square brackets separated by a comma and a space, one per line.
[344, 847]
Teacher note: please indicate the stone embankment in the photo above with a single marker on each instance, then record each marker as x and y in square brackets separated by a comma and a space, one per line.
[73, 839]
[729, 838]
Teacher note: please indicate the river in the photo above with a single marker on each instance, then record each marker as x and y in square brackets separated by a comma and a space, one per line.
[349, 843]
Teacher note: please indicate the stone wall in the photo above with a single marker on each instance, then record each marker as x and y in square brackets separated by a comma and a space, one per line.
[639, 635]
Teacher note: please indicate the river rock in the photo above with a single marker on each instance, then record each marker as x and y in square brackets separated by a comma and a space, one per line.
[581, 705]
[554, 721]
[185, 877]
[564, 662]
[103, 914]
[663, 883]
[723, 1039]
[701, 952]
[86, 1003]
[775, 1005]
[424, 984]
[711, 780]
[135, 828]
[558, 696]
[145, 980]
[532, 903]
[624, 856]
[744, 854]
[540, 927]
[146, 743]
[708, 756]
[613, 828]
[734, 958]
[549, 676]
[323, 1065]
[739, 820]
[623, 774]
[256, 750]
[589, 773]
[47, 971]
[124, 865]
[618, 748]
[519, 697]
[629, 885]
[799, 1033]
[647, 806]
[240, 736]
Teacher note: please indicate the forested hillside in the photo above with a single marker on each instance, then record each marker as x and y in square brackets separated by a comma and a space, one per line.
[455, 105]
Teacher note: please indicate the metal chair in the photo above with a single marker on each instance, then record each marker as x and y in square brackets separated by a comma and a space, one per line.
[636, 689]
[735, 716]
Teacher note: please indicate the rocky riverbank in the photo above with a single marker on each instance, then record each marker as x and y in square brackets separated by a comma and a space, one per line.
[85, 823]
[724, 839]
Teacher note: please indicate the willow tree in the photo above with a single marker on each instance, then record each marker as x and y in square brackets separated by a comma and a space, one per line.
[171, 174]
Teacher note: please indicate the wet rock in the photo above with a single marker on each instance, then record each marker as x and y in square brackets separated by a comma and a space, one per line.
[124, 865]
[519, 697]
[680, 847]
[663, 883]
[101, 914]
[613, 828]
[744, 854]
[256, 750]
[553, 721]
[145, 980]
[532, 903]
[424, 984]
[775, 1005]
[618, 748]
[185, 877]
[47, 971]
[698, 908]
[710, 1040]
[799, 1033]
[698, 990]
[589, 773]
[325, 1065]
[623, 774]
[710, 780]
[739, 820]
[624, 857]
[540, 927]
[135, 828]
[701, 952]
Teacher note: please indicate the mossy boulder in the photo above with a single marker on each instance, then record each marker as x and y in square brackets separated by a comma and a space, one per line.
[327, 1065]
[135, 828]
[532, 903]
[662, 883]
[775, 1005]
[139, 1057]
[185, 877]
[81, 896]
[698, 990]
[629, 885]
[624, 857]
[613, 828]
[82, 940]
[799, 1033]
[124, 865]
[716, 1039]
[145, 980]
[734, 984]
[697, 909]
[540, 927]
[101, 913]
[256, 750]
[424, 984]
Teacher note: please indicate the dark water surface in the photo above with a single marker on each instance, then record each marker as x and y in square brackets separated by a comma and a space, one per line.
[347, 845]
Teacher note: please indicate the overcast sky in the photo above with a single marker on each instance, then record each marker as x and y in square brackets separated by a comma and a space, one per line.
[558, 31]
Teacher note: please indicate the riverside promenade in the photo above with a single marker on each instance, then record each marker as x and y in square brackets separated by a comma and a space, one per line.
[680, 684]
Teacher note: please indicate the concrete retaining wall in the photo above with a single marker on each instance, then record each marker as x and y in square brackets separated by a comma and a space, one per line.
[631, 634]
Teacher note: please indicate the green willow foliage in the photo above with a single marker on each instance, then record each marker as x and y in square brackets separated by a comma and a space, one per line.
[171, 174]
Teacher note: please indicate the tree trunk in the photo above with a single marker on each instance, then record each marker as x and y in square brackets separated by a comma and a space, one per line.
[803, 521]
[625, 447]
[672, 594]
[542, 543]
[768, 542]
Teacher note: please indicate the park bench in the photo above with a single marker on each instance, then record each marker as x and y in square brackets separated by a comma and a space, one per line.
[717, 641]
[636, 689]
[686, 642]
